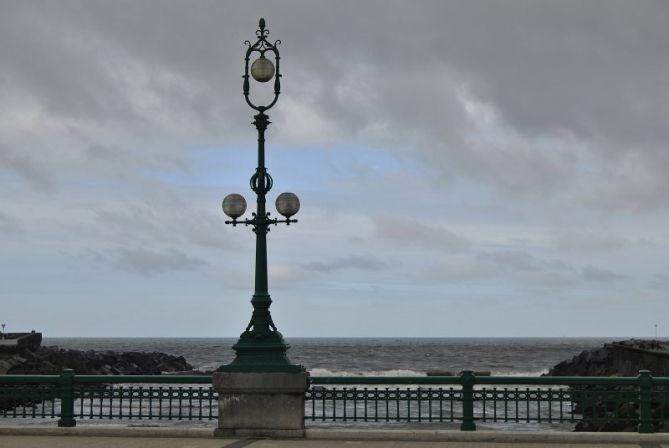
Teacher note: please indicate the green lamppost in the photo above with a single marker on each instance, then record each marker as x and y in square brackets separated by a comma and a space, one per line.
[261, 347]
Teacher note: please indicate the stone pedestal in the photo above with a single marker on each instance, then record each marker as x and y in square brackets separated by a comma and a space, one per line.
[260, 404]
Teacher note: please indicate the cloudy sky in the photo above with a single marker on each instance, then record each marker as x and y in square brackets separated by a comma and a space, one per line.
[470, 168]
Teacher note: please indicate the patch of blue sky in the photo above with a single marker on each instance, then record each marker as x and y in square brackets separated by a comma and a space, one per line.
[300, 167]
[210, 167]
[7, 176]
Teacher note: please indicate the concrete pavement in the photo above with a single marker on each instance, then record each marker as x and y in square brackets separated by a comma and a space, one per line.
[147, 437]
[26, 441]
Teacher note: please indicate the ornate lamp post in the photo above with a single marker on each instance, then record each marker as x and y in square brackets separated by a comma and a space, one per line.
[261, 347]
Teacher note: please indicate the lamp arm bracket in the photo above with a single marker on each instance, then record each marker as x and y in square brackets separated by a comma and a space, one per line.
[246, 222]
[286, 221]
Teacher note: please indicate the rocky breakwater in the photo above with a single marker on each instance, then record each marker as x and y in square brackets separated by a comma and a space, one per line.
[24, 360]
[621, 358]
[52, 360]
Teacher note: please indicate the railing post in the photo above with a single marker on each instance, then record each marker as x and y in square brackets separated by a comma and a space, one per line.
[645, 381]
[467, 380]
[67, 399]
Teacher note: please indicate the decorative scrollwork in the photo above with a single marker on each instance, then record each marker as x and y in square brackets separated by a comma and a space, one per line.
[262, 46]
[262, 32]
[261, 182]
[269, 182]
[253, 182]
[270, 322]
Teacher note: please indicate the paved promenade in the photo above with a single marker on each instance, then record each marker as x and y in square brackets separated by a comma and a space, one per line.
[108, 437]
[154, 442]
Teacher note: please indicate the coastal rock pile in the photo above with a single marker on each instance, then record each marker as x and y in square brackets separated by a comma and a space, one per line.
[52, 360]
[622, 358]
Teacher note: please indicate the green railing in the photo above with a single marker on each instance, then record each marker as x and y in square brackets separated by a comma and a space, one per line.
[609, 403]
[595, 403]
[122, 397]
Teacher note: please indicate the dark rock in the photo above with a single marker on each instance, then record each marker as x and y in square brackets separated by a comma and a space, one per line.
[52, 360]
[622, 358]
[439, 373]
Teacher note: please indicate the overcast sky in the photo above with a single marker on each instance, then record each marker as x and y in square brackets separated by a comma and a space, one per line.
[470, 168]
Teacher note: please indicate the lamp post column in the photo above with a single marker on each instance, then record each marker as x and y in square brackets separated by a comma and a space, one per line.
[261, 183]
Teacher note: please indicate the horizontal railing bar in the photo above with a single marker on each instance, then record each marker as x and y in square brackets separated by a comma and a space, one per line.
[52, 379]
[482, 380]
[559, 380]
[147, 379]
[385, 380]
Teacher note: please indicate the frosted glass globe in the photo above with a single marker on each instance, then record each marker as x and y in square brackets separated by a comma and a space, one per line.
[287, 204]
[262, 69]
[234, 205]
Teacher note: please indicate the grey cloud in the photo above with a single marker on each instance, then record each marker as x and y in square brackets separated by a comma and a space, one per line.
[518, 114]
[151, 262]
[595, 274]
[661, 279]
[518, 167]
[10, 226]
[163, 221]
[518, 267]
[459, 271]
[589, 241]
[637, 182]
[118, 161]
[543, 274]
[33, 171]
[83, 59]
[547, 282]
[521, 261]
[569, 72]
[409, 232]
[280, 277]
[590, 76]
[235, 279]
[357, 262]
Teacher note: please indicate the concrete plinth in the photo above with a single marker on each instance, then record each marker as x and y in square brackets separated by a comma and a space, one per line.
[260, 404]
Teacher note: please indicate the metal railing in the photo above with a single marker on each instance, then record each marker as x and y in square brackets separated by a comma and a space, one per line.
[595, 403]
[608, 403]
[107, 397]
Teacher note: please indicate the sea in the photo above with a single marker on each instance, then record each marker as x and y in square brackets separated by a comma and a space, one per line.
[369, 356]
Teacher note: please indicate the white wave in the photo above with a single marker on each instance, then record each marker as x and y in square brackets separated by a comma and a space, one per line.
[384, 373]
[406, 372]
[390, 373]
[208, 367]
[535, 373]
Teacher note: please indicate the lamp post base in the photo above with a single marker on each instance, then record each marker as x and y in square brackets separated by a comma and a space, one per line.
[267, 404]
[256, 353]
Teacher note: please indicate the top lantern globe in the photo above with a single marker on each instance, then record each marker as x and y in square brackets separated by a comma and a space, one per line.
[262, 69]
